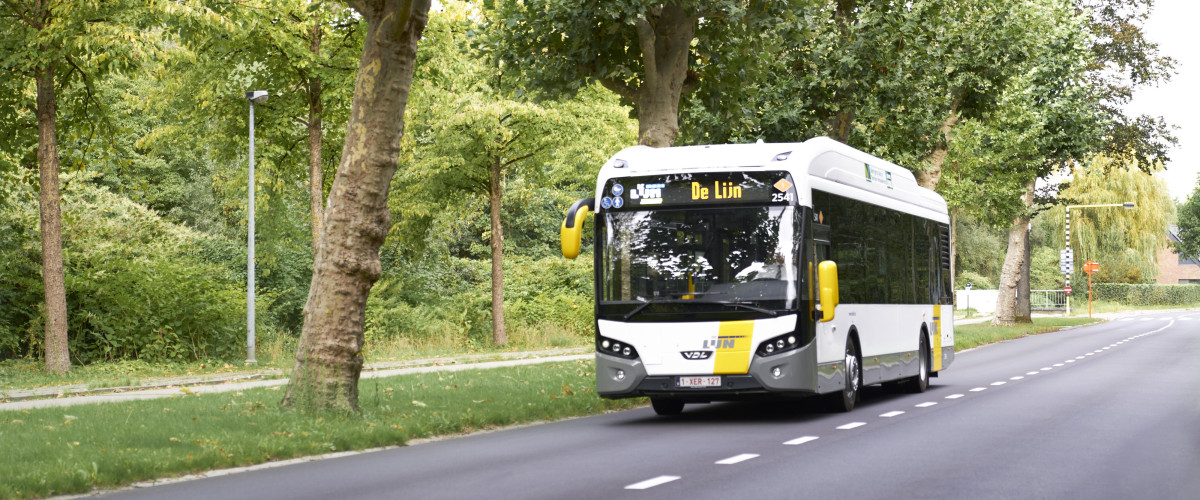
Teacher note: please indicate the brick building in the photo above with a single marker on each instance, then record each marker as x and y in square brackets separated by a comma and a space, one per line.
[1174, 269]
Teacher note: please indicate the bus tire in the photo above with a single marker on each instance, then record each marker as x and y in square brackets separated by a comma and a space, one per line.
[666, 407]
[920, 382]
[844, 400]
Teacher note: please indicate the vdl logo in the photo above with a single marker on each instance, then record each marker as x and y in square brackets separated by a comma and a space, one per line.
[696, 354]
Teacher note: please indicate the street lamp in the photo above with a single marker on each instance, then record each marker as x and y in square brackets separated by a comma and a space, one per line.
[253, 96]
[1067, 257]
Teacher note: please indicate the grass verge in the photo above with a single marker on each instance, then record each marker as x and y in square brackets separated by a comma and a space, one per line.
[974, 335]
[54, 451]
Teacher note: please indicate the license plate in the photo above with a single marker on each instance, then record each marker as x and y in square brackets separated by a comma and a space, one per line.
[701, 381]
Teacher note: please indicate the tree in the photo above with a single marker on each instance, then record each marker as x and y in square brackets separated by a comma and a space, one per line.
[1125, 242]
[645, 51]
[1189, 226]
[57, 46]
[329, 356]
[1121, 59]
[476, 134]
[892, 79]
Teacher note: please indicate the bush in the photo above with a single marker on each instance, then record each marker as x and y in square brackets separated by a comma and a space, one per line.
[1147, 294]
[448, 300]
[977, 281]
[137, 286]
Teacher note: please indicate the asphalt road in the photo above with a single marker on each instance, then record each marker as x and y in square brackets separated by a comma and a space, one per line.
[1110, 411]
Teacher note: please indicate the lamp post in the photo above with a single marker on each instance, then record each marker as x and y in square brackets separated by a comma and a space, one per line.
[969, 285]
[253, 96]
[1067, 257]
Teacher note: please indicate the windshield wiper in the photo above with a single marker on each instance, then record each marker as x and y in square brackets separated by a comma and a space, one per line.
[646, 304]
[671, 297]
[745, 306]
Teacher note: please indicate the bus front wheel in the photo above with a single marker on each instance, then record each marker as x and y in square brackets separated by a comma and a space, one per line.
[666, 407]
[844, 401]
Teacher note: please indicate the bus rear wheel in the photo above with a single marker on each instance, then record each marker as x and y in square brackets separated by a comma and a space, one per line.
[920, 382]
[666, 407]
[845, 400]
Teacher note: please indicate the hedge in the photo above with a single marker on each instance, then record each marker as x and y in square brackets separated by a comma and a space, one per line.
[1148, 294]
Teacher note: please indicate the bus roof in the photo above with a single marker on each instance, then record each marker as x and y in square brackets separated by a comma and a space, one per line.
[821, 163]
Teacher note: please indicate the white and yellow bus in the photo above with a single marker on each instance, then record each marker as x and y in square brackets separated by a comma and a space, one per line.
[746, 270]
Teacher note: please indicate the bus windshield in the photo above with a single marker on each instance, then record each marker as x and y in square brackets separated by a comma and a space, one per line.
[701, 260]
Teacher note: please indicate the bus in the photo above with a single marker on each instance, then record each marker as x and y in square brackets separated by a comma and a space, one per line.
[727, 272]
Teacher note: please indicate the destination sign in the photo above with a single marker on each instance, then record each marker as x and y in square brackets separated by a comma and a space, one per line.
[636, 193]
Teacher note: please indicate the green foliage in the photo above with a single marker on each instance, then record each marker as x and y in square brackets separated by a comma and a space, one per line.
[1189, 226]
[977, 281]
[980, 251]
[1147, 294]
[1124, 242]
[447, 300]
[137, 287]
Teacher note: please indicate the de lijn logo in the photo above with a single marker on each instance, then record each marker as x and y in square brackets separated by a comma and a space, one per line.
[615, 201]
[649, 193]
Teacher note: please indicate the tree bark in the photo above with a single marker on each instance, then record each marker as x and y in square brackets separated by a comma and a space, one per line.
[930, 177]
[495, 197]
[329, 356]
[1024, 309]
[1014, 269]
[665, 38]
[316, 180]
[58, 358]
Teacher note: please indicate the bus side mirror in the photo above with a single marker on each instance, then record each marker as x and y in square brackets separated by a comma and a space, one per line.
[571, 232]
[828, 279]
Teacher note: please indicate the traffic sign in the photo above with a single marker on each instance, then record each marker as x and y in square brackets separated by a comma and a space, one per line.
[1067, 289]
[1091, 267]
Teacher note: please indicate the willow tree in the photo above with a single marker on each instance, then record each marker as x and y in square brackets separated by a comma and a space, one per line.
[329, 356]
[1124, 242]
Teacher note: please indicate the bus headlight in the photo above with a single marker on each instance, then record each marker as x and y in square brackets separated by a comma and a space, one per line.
[780, 344]
[615, 348]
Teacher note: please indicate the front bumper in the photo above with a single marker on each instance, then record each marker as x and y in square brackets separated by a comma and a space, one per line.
[618, 378]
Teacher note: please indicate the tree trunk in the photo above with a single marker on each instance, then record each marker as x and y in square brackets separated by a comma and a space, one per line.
[316, 181]
[495, 197]
[329, 357]
[58, 358]
[665, 39]
[1013, 269]
[1024, 310]
[930, 177]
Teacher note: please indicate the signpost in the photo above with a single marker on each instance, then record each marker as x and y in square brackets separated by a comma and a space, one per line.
[1090, 267]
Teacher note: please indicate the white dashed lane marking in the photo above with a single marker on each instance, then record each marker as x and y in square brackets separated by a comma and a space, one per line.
[660, 480]
[736, 459]
[650, 483]
[801, 440]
